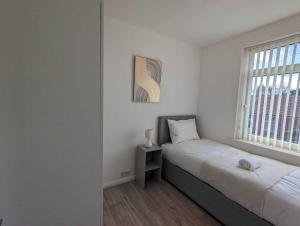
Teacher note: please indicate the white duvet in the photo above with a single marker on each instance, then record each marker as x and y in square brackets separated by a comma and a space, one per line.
[272, 191]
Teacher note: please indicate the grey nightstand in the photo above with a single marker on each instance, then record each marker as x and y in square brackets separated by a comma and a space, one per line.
[148, 164]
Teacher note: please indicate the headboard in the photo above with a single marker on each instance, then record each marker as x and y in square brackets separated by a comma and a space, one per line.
[163, 134]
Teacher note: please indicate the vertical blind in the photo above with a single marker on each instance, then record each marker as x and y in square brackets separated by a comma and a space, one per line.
[270, 112]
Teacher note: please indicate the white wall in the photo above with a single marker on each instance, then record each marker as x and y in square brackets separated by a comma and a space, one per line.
[50, 161]
[219, 82]
[11, 140]
[126, 121]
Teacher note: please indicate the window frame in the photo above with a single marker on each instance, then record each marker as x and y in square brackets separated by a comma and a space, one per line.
[243, 92]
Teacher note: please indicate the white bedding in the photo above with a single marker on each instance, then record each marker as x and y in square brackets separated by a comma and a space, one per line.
[282, 201]
[270, 191]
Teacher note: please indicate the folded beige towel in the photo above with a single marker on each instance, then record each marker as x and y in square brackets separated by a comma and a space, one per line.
[249, 163]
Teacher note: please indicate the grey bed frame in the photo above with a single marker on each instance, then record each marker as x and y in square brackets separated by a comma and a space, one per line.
[214, 202]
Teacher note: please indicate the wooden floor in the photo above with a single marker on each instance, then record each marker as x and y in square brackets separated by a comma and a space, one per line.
[160, 204]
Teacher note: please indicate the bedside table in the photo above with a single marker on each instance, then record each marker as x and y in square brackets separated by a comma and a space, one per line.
[148, 164]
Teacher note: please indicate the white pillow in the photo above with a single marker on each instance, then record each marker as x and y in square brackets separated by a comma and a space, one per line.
[183, 130]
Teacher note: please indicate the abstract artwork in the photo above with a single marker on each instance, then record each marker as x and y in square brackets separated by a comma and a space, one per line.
[147, 77]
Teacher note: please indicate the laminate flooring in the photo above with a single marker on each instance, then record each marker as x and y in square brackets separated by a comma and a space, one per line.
[160, 204]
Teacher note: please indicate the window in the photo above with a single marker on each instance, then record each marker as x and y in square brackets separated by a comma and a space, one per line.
[269, 99]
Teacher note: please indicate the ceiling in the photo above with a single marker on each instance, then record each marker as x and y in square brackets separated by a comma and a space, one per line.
[201, 22]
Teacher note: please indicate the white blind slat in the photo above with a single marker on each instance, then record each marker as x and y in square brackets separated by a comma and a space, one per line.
[253, 99]
[294, 112]
[266, 94]
[259, 96]
[287, 97]
[275, 78]
[249, 90]
[279, 99]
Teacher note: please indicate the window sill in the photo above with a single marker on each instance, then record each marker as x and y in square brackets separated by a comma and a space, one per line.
[267, 151]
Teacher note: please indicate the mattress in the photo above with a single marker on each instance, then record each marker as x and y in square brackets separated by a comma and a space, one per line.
[270, 191]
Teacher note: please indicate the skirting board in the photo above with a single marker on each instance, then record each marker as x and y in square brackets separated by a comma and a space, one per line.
[118, 182]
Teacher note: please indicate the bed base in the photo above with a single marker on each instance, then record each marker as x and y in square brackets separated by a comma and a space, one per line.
[214, 202]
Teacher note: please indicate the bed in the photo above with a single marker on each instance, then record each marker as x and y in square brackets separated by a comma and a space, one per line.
[206, 172]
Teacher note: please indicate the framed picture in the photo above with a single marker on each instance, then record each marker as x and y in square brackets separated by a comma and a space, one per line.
[147, 78]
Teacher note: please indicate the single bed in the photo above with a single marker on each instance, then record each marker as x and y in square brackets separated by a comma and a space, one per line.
[206, 171]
